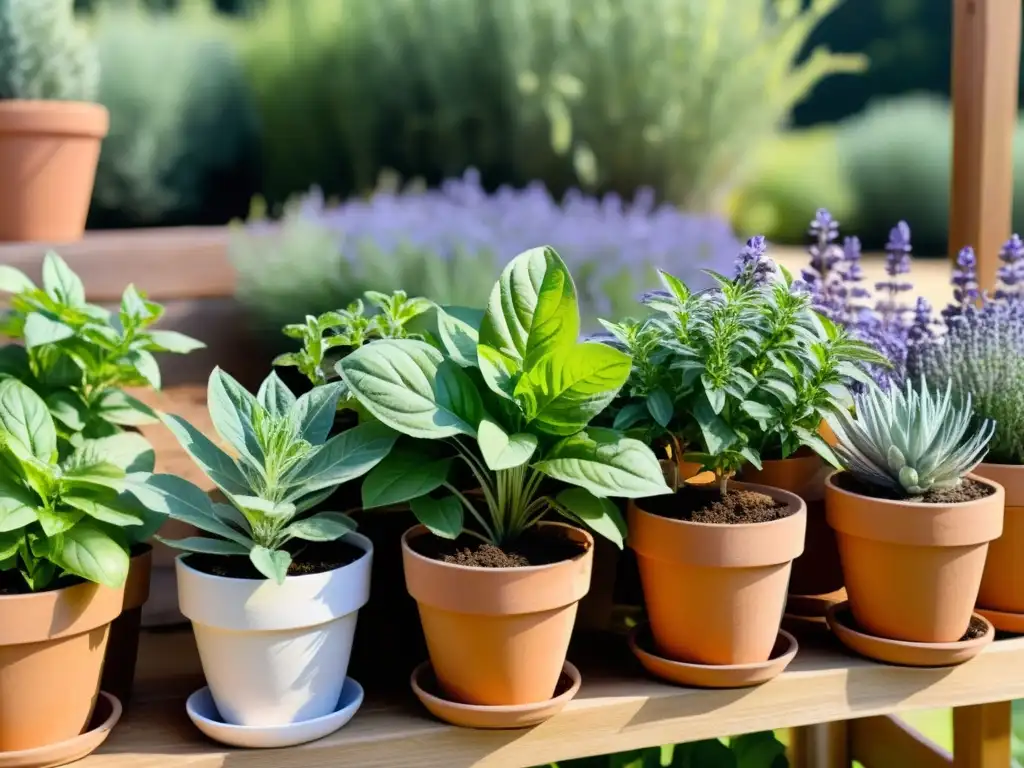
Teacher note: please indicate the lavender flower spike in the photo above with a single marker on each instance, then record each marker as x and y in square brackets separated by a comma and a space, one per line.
[752, 263]
[897, 262]
[1011, 274]
[965, 284]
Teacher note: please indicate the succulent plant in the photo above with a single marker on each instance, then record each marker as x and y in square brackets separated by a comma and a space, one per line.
[44, 54]
[910, 440]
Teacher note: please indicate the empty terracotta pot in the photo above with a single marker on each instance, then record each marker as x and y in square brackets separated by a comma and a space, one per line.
[1002, 583]
[498, 636]
[817, 578]
[912, 570]
[51, 656]
[48, 156]
[123, 645]
[715, 592]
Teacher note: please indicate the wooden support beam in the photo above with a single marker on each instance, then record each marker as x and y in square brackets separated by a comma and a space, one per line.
[888, 742]
[825, 745]
[981, 736]
[986, 59]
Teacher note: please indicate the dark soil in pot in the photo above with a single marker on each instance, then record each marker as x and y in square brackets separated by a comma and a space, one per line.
[307, 558]
[534, 547]
[707, 505]
[968, 490]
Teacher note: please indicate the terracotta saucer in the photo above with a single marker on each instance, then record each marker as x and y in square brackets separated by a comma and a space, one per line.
[902, 652]
[707, 675]
[1004, 622]
[474, 716]
[104, 717]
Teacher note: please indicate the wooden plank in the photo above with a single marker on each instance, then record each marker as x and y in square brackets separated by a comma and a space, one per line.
[981, 736]
[886, 742]
[986, 58]
[171, 263]
[617, 709]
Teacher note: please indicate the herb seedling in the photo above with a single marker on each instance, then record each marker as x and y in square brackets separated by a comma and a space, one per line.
[739, 373]
[327, 338]
[69, 516]
[286, 464]
[511, 395]
[78, 356]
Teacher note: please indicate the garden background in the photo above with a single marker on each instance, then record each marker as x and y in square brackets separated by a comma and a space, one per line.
[628, 133]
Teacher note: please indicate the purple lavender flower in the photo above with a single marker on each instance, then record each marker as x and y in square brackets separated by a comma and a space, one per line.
[965, 284]
[654, 296]
[982, 354]
[897, 262]
[752, 264]
[1011, 274]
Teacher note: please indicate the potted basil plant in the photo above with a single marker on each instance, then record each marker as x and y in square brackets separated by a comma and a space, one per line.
[272, 590]
[64, 546]
[510, 397]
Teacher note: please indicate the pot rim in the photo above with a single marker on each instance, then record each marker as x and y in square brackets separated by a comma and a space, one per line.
[420, 529]
[53, 117]
[794, 502]
[84, 606]
[900, 503]
[356, 538]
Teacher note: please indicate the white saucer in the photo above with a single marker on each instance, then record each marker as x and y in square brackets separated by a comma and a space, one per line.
[204, 714]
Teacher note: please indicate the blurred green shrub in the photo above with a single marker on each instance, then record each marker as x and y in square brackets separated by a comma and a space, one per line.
[183, 146]
[752, 750]
[610, 95]
[792, 176]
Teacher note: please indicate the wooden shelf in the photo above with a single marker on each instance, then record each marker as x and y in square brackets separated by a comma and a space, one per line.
[616, 710]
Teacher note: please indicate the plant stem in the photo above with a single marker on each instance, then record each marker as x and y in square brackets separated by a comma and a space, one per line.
[473, 511]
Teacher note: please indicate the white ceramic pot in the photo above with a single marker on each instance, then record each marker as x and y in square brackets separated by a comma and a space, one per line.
[276, 654]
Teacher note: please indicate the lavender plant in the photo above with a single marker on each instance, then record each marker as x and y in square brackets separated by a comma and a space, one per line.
[744, 371]
[444, 243]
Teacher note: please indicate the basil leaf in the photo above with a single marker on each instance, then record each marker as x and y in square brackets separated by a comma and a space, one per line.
[40, 330]
[120, 408]
[442, 517]
[87, 551]
[502, 450]
[172, 341]
[600, 515]
[14, 280]
[60, 283]
[26, 419]
[404, 474]
[458, 336]
[606, 464]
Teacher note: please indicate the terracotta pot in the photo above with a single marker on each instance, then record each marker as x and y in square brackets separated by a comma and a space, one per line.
[48, 156]
[497, 636]
[123, 645]
[1002, 583]
[912, 570]
[51, 656]
[817, 578]
[715, 592]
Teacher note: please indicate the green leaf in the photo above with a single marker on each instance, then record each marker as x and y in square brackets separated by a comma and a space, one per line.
[606, 464]
[26, 419]
[757, 750]
[718, 435]
[14, 361]
[77, 472]
[133, 308]
[40, 329]
[17, 505]
[234, 411]
[344, 457]
[501, 450]
[600, 515]
[815, 442]
[404, 474]
[14, 280]
[205, 546]
[565, 390]
[88, 552]
[120, 408]
[442, 517]
[456, 392]
[228, 514]
[60, 283]
[68, 408]
[179, 499]
[458, 336]
[314, 411]
[217, 464]
[783, 390]
[259, 507]
[272, 563]
[102, 507]
[146, 366]
[659, 405]
[172, 341]
[129, 451]
[630, 414]
[275, 397]
[532, 309]
[55, 521]
[9, 543]
[500, 373]
[759, 411]
[325, 526]
[397, 381]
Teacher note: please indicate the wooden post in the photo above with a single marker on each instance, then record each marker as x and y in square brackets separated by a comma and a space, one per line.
[986, 60]
[825, 745]
[981, 736]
